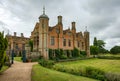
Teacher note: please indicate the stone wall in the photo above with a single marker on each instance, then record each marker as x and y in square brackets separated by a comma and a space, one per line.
[33, 55]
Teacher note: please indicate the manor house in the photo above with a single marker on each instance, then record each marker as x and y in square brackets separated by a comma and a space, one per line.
[16, 43]
[46, 37]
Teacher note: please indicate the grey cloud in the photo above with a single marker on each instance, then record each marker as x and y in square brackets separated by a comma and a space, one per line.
[98, 23]
[101, 16]
[102, 6]
[112, 42]
[2, 23]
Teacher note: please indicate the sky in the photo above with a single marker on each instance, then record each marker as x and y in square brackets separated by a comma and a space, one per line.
[102, 17]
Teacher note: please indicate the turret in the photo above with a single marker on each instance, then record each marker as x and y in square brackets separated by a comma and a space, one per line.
[74, 33]
[87, 44]
[43, 35]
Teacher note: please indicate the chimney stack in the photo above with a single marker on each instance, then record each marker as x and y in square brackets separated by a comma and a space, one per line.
[22, 35]
[15, 33]
[59, 19]
[73, 26]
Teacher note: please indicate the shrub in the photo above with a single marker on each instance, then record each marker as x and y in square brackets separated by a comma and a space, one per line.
[57, 53]
[108, 57]
[83, 53]
[2, 60]
[86, 71]
[95, 73]
[63, 57]
[112, 77]
[7, 63]
[34, 59]
[68, 53]
[3, 47]
[51, 54]
[46, 63]
[61, 52]
[75, 52]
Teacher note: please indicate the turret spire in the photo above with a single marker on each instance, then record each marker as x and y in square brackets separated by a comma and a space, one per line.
[43, 15]
[43, 9]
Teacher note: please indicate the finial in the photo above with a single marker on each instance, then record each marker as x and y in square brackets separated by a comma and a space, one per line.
[43, 9]
[86, 28]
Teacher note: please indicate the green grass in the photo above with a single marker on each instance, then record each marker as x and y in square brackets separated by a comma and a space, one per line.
[3, 69]
[40, 73]
[115, 55]
[17, 59]
[102, 64]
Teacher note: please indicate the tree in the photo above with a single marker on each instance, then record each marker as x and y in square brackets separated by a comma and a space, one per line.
[3, 47]
[101, 43]
[103, 50]
[115, 50]
[31, 45]
[94, 50]
[95, 42]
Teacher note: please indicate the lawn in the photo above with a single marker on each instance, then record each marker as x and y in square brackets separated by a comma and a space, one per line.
[114, 55]
[3, 69]
[40, 73]
[17, 59]
[102, 64]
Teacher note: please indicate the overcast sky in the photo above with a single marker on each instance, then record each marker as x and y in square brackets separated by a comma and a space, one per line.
[102, 17]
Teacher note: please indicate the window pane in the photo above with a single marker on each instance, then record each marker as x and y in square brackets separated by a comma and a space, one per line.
[52, 40]
[69, 42]
[64, 42]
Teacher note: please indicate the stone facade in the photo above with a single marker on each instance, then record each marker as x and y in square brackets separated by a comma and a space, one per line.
[16, 43]
[46, 37]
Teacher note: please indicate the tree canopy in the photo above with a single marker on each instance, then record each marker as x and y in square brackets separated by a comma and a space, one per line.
[101, 43]
[95, 41]
[115, 50]
[98, 47]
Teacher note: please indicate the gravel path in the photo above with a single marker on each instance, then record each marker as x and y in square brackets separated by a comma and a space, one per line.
[18, 72]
